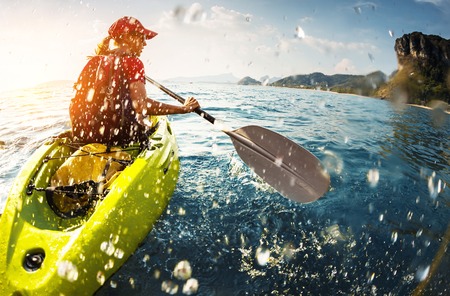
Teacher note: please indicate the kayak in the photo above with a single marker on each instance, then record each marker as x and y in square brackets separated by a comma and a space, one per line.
[75, 213]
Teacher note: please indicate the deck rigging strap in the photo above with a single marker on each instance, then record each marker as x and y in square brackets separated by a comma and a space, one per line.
[97, 154]
[75, 191]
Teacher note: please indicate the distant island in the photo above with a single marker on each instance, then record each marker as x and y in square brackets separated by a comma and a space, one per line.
[423, 74]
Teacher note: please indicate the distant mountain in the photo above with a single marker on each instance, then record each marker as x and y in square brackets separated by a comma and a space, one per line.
[362, 85]
[248, 81]
[220, 78]
[316, 79]
[345, 83]
[265, 80]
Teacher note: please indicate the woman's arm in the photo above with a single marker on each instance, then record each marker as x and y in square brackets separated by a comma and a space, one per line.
[146, 106]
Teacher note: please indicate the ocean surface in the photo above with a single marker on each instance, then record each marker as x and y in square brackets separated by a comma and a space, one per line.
[382, 229]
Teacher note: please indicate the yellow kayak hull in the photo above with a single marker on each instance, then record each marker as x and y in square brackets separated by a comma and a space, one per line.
[76, 255]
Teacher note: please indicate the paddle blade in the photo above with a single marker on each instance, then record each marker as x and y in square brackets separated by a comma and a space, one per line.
[289, 168]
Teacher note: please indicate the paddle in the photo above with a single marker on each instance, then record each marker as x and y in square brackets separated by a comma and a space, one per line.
[289, 168]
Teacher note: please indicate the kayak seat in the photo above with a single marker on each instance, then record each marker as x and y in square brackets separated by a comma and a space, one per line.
[84, 178]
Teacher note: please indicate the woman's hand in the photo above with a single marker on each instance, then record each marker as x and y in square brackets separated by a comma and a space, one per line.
[191, 104]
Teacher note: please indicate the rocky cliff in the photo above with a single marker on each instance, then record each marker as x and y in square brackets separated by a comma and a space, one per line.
[425, 50]
[423, 70]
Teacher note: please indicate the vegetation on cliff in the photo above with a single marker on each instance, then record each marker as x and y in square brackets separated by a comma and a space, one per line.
[423, 70]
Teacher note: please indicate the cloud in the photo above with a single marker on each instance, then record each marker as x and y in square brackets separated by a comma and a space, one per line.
[435, 2]
[329, 46]
[210, 41]
[443, 5]
[345, 66]
[194, 41]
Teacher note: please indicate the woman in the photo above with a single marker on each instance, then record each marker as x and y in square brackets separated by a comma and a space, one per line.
[111, 104]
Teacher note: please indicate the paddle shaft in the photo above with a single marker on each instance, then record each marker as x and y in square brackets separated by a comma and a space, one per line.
[289, 168]
[180, 99]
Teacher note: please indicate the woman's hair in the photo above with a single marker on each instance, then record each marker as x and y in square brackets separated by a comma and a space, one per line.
[103, 48]
[109, 44]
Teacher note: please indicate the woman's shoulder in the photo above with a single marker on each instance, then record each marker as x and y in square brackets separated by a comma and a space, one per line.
[132, 64]
[131, 60]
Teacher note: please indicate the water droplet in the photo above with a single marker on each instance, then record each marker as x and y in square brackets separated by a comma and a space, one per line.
[371, 277]
[422, 273]
[183, 270]
[346, 139]
[107, 247]
[433, 188]
[299, 33]
[109, 265]
[132, 284]
[409, 216]
[169, 287]
[419, 232]
[262, 256]
[90, 95]
[373, 176]
[289, 251]
[101, 277]
[114, 239]
[190, 287]
[119, 253]
[332, 162]
[394, 236]
[67, 270]
[278, 162]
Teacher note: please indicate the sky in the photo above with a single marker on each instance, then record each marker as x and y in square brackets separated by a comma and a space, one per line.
[46, 40]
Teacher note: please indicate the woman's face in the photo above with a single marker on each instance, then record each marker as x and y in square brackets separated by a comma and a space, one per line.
[136, 43]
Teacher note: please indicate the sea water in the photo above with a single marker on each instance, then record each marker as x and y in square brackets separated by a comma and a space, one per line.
[382, 227]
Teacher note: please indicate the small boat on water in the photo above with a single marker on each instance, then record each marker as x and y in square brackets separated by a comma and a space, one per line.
[75, 213]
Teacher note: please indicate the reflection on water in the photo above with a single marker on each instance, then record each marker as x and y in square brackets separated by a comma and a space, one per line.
[421, 140]
[382, 228]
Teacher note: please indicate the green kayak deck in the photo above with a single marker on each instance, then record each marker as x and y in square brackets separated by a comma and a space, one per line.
[43, 252]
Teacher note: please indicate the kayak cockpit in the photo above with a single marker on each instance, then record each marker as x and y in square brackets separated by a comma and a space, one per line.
[85, 177]
[72, 179]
